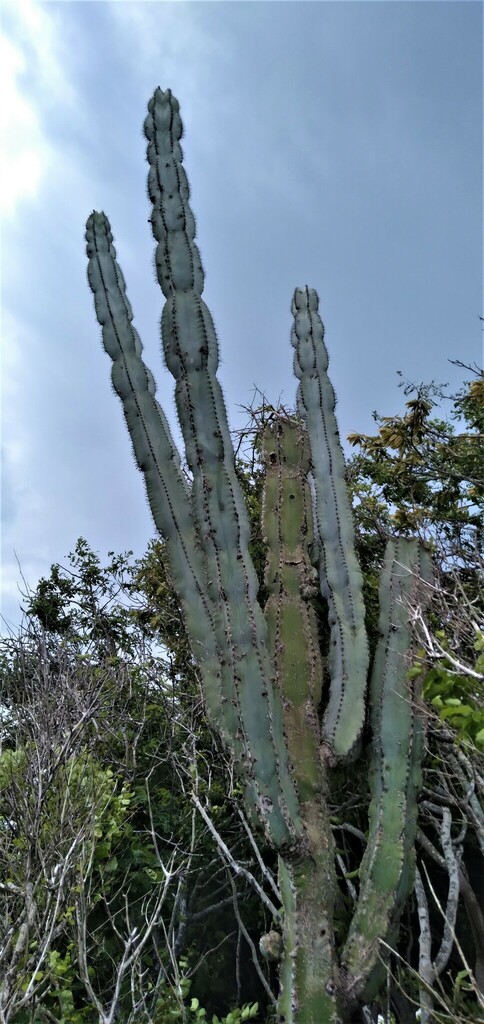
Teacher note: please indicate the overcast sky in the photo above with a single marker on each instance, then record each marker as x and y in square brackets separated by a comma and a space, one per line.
[334, 144]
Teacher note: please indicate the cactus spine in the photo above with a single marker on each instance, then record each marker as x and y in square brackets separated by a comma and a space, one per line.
[262, 676]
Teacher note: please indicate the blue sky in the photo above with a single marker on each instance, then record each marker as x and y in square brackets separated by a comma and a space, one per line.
[334, 144]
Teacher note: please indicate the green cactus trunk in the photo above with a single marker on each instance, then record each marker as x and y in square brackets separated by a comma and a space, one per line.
[261, 673]
[308, 881]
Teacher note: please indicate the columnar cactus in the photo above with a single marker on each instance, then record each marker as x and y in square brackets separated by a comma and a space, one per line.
[262, 671]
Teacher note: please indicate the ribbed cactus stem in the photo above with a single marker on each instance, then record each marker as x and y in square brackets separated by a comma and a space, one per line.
[309, 885]
[154, 450]
[340, 575]
[386, 873]
[191, 353]
[291, 584]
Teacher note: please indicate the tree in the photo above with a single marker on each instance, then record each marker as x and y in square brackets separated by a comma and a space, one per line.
[423, 475]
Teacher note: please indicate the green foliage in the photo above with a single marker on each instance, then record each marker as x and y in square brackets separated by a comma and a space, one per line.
[249, 1011]
[58, 984]
[251, 478]
[91, 791]
[458, 698]
[175, 1004]
[420, 473]
[123, 781]
[83, 604]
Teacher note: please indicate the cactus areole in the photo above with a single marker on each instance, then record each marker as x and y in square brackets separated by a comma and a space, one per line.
[262, 671]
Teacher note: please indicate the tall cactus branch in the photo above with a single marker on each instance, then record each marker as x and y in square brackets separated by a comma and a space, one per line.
[340, 575]
[154, 449]
[191, 353]
[386, 873]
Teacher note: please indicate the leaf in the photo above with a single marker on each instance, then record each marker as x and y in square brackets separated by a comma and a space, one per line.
[415, 671]
[463, 711]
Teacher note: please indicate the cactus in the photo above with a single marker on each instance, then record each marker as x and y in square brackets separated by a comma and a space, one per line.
[262, 670]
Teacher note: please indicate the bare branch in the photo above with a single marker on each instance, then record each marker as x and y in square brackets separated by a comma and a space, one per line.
[253, 951]
[237, 868]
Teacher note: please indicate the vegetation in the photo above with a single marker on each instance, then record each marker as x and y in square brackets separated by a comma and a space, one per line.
[101, 699]
[423, 474]
[112, 893]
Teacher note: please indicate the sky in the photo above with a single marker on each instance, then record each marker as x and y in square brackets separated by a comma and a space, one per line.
[335, 144]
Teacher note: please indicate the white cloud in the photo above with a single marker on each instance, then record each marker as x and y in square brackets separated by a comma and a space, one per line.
[172, 45]
[33, 81]
[168, 28]
[31, 75]
[25, 156]
[21, 496]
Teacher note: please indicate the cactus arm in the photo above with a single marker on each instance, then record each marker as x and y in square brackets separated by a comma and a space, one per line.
[155, 453]
[340, 574]
[191, 354]
[307, 881]
[386, 872]
[154, 449]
